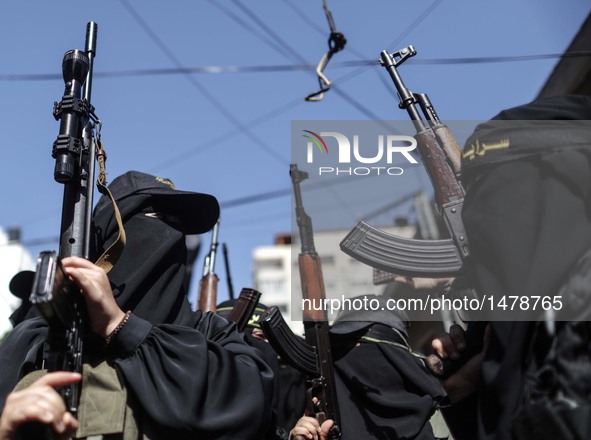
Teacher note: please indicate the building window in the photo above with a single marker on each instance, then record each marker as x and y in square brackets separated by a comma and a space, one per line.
[275, 263]
[271, 286]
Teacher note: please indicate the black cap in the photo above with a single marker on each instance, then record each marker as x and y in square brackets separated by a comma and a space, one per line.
[197, 212]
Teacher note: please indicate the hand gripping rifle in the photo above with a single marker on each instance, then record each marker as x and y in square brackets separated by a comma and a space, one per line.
[441, 156]
[208, 286]
[58, 299]
[312, 357]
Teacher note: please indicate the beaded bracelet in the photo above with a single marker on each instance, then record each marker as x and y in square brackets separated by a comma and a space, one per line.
[118, 328]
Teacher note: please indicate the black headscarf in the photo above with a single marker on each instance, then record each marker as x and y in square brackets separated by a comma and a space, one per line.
[527, 214]
[154, 289]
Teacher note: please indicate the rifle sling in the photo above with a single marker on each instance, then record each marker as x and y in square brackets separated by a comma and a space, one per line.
[110, 256]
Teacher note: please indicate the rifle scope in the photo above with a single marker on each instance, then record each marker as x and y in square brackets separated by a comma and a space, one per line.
[72, 112]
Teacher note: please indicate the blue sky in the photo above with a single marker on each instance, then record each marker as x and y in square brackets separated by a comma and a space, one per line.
[228, 133]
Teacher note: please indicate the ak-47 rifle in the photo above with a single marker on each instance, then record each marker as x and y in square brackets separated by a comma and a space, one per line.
[314, 356]
[208, 286]
[441, 156]
[59, 300]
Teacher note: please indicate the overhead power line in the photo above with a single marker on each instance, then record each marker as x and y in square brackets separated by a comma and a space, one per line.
[289, 67]
[210, 97]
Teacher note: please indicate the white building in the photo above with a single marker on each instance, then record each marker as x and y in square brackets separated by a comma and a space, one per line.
[272, 277]
[14, 257]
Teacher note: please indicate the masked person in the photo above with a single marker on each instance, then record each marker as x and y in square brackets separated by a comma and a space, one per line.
[527, 174]
[152, 367]
[384, 389]
[289, 390]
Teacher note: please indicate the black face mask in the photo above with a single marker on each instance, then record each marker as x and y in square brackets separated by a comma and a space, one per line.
[148, 277]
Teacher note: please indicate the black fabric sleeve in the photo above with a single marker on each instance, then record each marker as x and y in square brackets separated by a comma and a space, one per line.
[205, 380]
[462, 417]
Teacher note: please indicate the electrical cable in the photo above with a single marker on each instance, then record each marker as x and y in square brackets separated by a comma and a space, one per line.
[292, 67]
[208, 96]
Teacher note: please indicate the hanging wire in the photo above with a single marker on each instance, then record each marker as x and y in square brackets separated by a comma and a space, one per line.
[336, 43]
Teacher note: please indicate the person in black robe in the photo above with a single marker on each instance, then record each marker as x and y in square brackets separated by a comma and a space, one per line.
[527, 215]
[186, 374]
[289, 390]
[384, 389]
